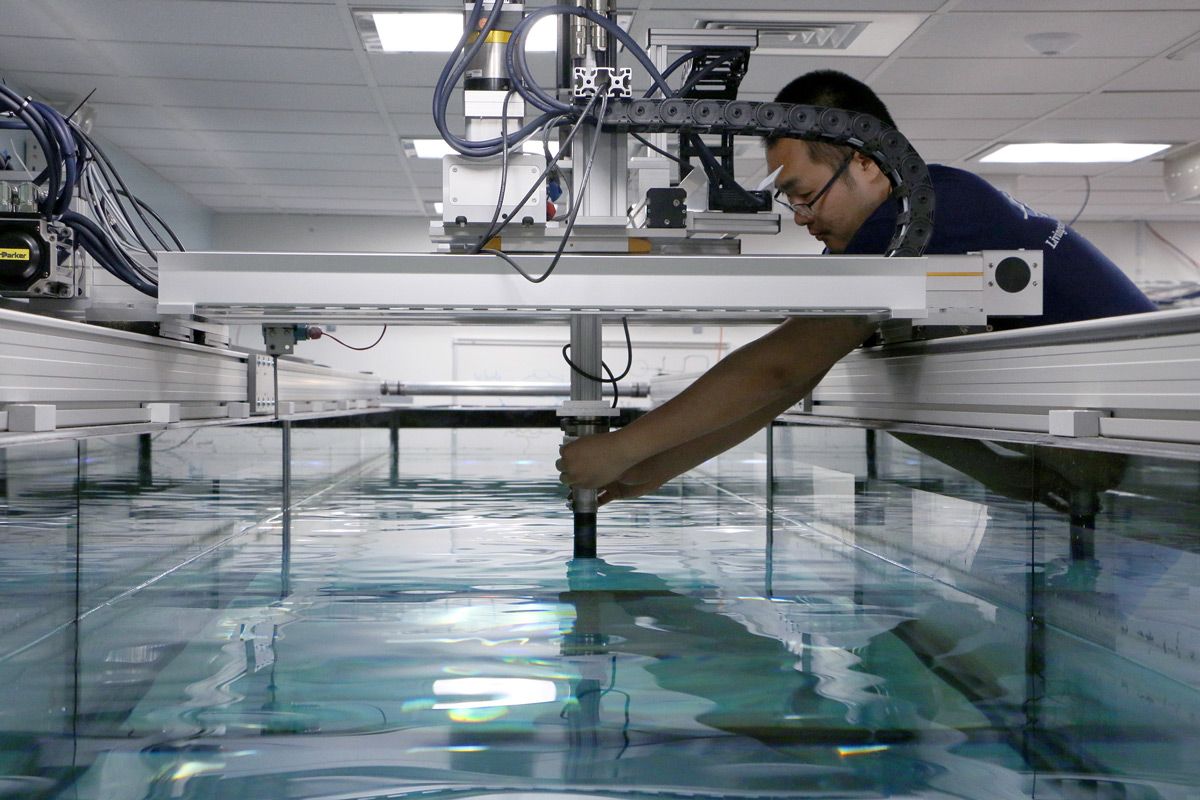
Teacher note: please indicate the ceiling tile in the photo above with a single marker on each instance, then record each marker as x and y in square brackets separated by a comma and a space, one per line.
[212, 22]
[133, 138]
[29, 20]
[366, 193]
[121, 115]
[201, 174]
[1101, 34]
[307, 143]
[246, 120]
[1161, 75]
[823, 6]
[1170, 131]
[220, 62]
[220, 189]
[168, 157]
[1136, 105]
[927, 129]
[1036, 7]
[323, 180]
[417, 100]
[346, 205]
[947, 151]
[317, 163]
[999, 75]
[768, 74]
[24, 51]
[971, 106]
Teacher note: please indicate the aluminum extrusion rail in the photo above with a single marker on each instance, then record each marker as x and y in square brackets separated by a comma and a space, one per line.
[1124, 378]
[364, 288]
[62, 374]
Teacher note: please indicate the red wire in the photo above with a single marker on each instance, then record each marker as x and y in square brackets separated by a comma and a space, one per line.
[352, 347]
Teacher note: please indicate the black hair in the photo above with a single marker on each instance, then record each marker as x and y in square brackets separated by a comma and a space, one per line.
[832, 89]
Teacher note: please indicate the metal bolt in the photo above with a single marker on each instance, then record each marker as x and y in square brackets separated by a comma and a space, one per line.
[991, 284]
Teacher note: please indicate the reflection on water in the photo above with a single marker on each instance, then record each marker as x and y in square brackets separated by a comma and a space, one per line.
[429, 635]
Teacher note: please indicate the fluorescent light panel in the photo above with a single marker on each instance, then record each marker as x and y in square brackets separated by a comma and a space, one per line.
[436, 148]
[1072, 152]
[433, 32]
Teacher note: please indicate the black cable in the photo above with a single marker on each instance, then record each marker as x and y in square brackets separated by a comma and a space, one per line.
[21, 109]
[587, 173]
[479, 248]
[352, 347]
[105, 162]
[657, 149]
[488, 234]
[1087, 196]
[102, 170]
[75, 110]
[613, 380]
[166, 228]
[115, 261]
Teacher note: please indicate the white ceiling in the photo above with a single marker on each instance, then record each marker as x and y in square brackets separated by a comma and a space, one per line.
[273, 105]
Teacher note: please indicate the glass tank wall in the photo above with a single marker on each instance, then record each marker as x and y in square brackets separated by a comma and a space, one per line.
[897, 617]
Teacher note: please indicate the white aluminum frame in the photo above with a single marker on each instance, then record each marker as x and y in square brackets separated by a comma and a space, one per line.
[390, 287]
[58, 374]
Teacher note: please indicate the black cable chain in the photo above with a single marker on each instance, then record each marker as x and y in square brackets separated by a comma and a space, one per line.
[886, 146]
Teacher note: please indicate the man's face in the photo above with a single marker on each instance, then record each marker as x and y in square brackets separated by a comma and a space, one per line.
[844, 207]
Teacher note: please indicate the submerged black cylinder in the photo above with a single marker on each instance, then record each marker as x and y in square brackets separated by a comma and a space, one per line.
[585, 534]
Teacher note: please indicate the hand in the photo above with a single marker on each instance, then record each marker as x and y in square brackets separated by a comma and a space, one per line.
[627, 488]
[592, 462]
[635, 482]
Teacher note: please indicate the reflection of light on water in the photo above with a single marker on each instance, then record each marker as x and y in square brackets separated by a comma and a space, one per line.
[462, 748]
[476, 714]
[496, 694]
[190, 769]
[861, 750]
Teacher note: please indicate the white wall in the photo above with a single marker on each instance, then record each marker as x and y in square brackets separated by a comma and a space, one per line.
[1143, 256]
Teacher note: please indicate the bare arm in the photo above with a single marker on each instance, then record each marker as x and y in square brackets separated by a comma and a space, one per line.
[680, 459]
[725, 405]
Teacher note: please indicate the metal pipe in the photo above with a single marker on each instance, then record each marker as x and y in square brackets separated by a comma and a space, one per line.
[504, 389]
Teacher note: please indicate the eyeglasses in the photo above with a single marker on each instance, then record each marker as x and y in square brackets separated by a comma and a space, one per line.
[806, 209]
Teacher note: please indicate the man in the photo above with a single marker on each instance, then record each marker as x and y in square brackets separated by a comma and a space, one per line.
[841, 197]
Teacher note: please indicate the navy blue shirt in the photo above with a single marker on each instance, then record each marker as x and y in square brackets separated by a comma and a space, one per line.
[1080, 282]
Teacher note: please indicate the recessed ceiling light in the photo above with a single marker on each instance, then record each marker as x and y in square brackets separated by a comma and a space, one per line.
[434, 32]
[1071, 152]
[436, 148]
[418, 33]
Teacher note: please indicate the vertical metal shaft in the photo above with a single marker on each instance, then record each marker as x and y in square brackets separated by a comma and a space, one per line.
[394, 451]
[145, 460]
[275, 382]
[770, 548]
[286, 500]
[585, 353]
[586, 340]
